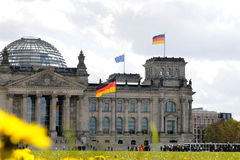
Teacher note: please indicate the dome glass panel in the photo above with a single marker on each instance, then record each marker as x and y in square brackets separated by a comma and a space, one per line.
[30, 51]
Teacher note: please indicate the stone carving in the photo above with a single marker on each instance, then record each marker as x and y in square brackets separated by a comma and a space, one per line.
[47, 80]
[190, 84]
[5, 57]
[183, 83]
[81, 58]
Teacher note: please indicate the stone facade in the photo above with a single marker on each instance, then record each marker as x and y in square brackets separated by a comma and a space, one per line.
[65, 102]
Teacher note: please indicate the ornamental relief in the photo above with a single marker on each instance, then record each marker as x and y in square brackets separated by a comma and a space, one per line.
[46, 80]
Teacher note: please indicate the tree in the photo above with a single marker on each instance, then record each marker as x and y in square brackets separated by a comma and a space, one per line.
[223, 132]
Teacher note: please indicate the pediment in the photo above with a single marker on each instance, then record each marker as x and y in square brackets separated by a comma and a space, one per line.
[48, 79]
[171, 115]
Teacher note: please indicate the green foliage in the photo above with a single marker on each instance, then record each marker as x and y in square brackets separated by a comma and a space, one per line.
[223, 132]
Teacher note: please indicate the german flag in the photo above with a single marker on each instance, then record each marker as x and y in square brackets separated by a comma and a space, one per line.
[57, 106]
[106, 88]
[159, 39]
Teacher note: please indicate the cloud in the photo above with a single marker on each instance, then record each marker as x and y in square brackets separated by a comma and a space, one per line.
[216, 84]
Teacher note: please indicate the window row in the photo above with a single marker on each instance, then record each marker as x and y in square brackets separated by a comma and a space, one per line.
[169, 71]
[169, 107]
[119, 125]
[106, 107]
[207, 115]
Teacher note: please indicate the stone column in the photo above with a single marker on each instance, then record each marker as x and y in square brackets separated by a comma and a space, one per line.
[84, 112]
[79, 113]
[10, 103]
[162, 115]
[38, 109]
[183, 125]
[139, 103]
[155, 111]
[100, 106]
[53, 116]
[190, 124]
[150, 117]
[126, 108]
[66, 110]
[24, 107]
[113, 116]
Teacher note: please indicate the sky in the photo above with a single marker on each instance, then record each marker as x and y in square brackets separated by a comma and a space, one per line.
[205, 33]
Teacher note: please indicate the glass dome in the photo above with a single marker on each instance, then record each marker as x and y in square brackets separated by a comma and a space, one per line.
[29, 51]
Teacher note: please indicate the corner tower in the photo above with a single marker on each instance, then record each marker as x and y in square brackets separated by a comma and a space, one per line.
[164, 71]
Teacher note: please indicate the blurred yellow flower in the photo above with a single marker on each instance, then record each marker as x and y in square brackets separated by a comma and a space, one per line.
[100, 158]
[1, 144]
[21, 154]
[20, 131]
[70, 158]
[155, 136]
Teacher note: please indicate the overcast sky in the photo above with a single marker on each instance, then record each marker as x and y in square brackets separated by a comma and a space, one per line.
[204, 32]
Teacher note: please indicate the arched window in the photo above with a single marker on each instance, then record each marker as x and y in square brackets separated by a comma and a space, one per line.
[105, 125]
[162, 71]
[170, 107]
[169, 72]
[131, 125]
[93, 125]
[119, 125]
[144, 125]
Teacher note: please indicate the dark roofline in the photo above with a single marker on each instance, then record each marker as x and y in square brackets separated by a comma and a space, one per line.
[165, 59]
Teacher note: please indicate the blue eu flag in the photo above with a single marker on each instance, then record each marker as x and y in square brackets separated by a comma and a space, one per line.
[119, 58]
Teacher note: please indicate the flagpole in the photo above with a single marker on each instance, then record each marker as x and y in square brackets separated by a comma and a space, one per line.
[124, 64]
[164, 43]
[116, 115]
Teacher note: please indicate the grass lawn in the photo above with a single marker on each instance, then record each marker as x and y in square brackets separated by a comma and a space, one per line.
[134, 155]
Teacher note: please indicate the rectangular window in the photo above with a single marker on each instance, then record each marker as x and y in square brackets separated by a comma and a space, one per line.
[93, 106]
[144, 108]
[106, 107]
[132, 107]
[119, 107]
[170, 127]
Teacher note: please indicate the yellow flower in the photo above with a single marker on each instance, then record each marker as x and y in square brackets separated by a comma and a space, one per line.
[69, 158]
[100, 158]
[22, 154]
[18, 130]
[1, 144]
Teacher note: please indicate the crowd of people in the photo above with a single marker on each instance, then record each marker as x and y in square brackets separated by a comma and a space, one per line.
[139, 148]
[201, 147]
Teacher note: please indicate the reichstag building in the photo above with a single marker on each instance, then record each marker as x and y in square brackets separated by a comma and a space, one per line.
[37, 86]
